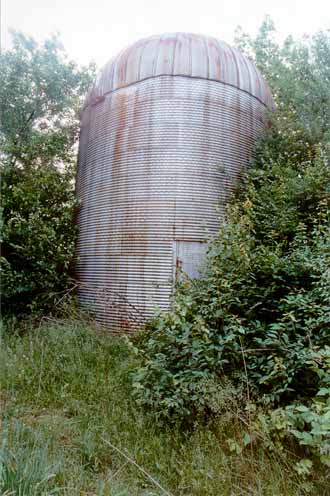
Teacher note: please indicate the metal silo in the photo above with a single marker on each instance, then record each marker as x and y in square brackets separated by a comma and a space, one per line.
[165, 132]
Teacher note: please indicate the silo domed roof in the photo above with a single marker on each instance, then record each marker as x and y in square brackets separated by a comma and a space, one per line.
[182, 54]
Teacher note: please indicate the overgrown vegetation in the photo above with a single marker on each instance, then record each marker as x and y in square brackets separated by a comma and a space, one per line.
[66, 394]
[243, 357]
[260, 318]
[40, 94]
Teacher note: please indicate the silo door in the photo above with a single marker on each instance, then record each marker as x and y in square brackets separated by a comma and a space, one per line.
[188, 256]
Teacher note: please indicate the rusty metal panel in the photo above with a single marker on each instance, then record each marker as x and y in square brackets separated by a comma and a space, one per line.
[165, 56]
[158, 160]
[199, 58]
[182, 54]
[188, 257]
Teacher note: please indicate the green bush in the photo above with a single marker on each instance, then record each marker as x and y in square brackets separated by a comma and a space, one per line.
[261, 310]
[38, 237]
[261, 314]
[308, 424]
[40, 94]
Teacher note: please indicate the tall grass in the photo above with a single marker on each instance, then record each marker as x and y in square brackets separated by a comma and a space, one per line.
[70, 427]
[24, 470]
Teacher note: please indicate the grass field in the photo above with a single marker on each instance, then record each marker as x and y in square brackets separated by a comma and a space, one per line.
[69, 426]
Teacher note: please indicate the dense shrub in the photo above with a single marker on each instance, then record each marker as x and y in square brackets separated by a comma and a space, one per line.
[40, 94]
[260, 317]
[263, 307]
[38, 237]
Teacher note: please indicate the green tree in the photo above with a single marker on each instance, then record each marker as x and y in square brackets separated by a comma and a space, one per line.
[298, 73]
[40, 95]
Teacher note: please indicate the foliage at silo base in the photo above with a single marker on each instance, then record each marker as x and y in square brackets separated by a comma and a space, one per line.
[261, 316]
[39, 237]
[259, 321]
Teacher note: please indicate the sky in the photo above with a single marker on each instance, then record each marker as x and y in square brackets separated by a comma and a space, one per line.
[98, 29]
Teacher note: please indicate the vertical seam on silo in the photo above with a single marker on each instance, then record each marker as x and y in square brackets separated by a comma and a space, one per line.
[207, 58]
[216, 44]
[190, 55]
[236, 65]
[157, 57]
[221, 58]
[257, 89]
[174, 52]
[112, 83]
[128, 52]
[247, 65]
[141, 55]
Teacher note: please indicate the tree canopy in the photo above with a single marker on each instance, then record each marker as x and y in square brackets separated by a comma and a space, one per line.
[40, 95]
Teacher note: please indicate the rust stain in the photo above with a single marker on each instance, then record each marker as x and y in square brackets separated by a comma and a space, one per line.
[149, 165]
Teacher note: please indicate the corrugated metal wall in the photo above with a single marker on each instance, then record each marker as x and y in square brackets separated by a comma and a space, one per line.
[156, 159]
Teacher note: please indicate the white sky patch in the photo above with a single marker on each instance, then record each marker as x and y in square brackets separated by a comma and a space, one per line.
[98, 29]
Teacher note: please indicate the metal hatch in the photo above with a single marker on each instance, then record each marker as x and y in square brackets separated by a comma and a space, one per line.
[188, 257]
